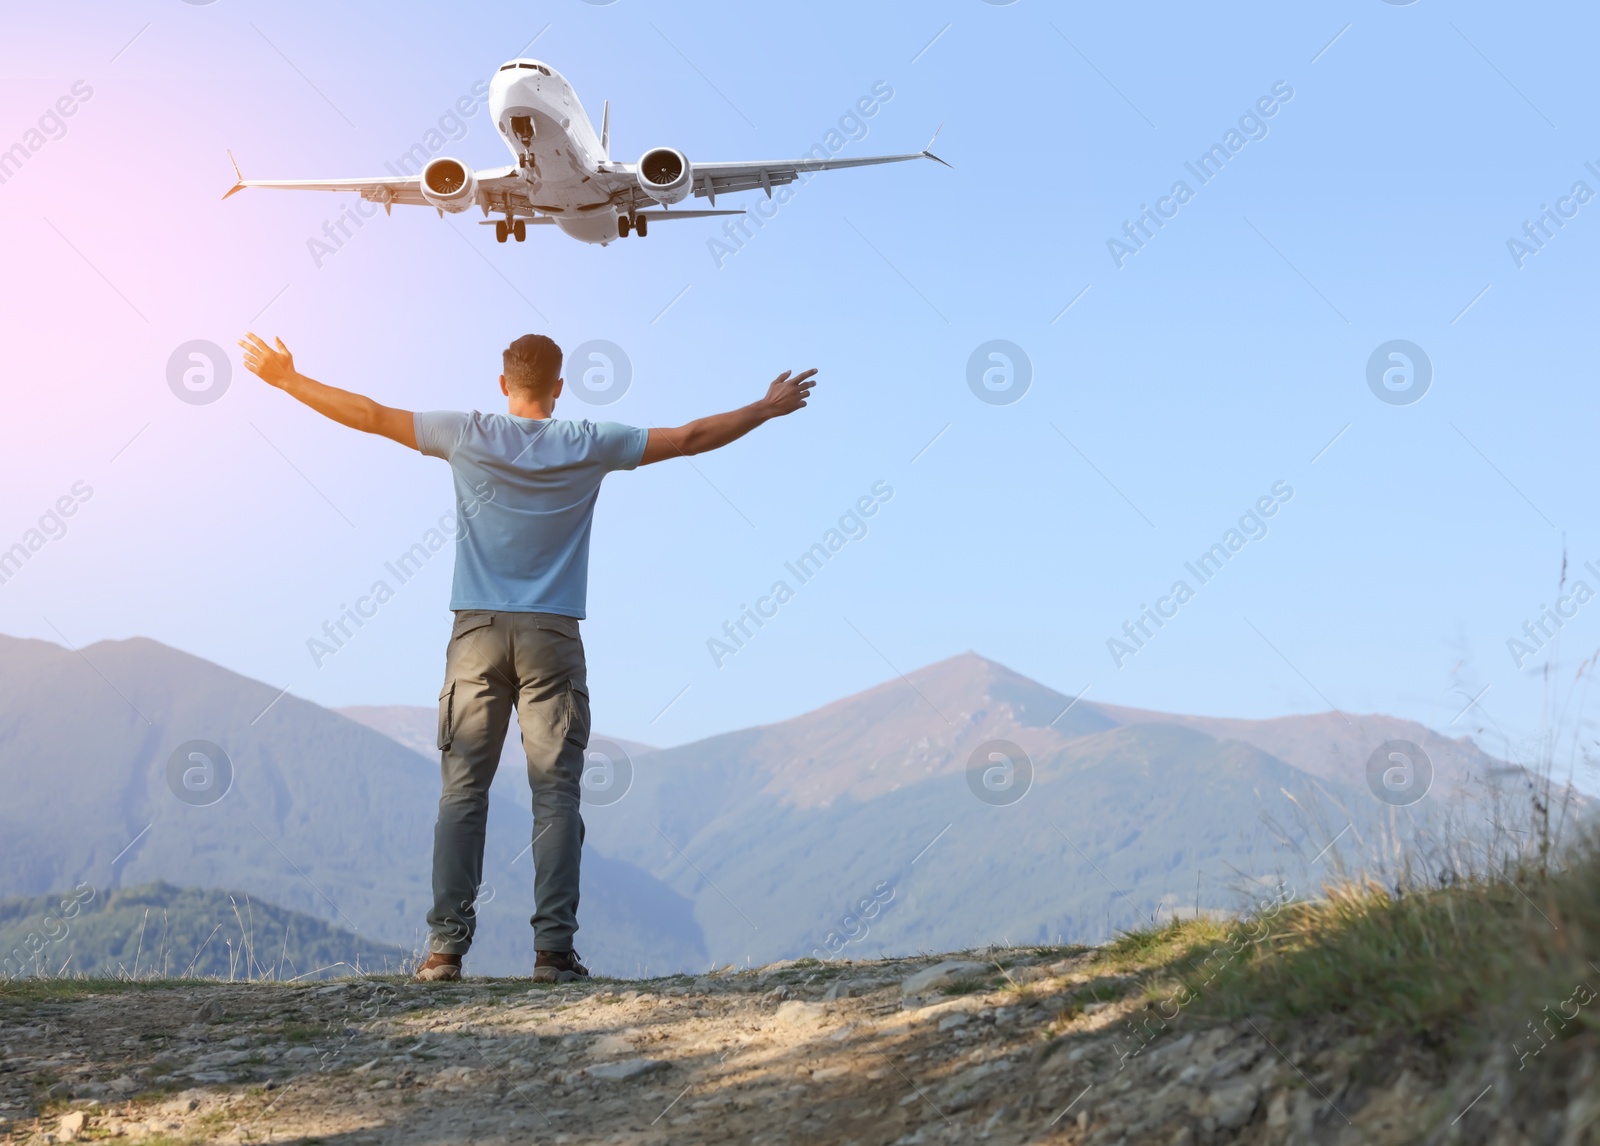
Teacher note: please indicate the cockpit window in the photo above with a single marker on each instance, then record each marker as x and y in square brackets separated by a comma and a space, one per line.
[540, 68]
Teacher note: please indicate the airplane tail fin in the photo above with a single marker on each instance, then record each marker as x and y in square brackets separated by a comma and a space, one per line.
[928, 150]
[238, 186]
[605, 129]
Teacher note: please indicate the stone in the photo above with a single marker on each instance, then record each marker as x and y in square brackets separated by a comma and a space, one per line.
[626, 1069]
[1231, 1106]
[210, 1011]
[71, 1125]
[609, 1046]
[942, 975]
[796, 1013]
[950, 1022]
[219, 1058]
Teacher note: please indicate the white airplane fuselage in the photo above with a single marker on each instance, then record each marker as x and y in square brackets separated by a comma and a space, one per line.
[551, 139]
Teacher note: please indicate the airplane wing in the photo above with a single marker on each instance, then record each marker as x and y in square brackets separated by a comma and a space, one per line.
[388, 191]
[713, 179]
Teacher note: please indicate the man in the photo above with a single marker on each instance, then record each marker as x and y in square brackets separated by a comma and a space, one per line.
[526, 484]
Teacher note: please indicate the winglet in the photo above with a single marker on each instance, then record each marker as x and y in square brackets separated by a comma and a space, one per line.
[239, 186]
[605, 130]
[928, 150]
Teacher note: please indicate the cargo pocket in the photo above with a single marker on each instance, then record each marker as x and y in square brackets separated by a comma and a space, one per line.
[447, 703]
[576, 704]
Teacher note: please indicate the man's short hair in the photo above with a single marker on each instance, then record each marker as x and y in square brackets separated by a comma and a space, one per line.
[532, 364]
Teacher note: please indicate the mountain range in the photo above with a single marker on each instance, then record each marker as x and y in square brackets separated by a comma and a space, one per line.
[962, 803]
[160, 930]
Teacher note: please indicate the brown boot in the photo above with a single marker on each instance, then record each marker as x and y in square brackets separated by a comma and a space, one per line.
[439, 968]
[558, 967]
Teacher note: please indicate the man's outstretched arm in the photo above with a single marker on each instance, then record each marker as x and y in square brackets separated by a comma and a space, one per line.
[275, 367]
[784, 396]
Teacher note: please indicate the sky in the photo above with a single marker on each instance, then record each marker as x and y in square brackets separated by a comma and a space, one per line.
[1374, 317]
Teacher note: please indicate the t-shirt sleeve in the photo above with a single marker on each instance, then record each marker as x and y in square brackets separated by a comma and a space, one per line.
[439, 432]
[619, 447]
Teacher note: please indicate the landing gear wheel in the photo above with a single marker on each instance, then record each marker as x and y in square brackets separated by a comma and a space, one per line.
[642, 226]
[500, 230]
[622, 226]
[520, 229]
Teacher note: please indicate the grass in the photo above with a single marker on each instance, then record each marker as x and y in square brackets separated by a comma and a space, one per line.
[42, 989]
[1470, 956]
[1452, 936]
[1170, 943]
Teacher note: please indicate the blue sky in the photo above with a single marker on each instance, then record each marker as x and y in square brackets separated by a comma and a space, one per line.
[1168, 394]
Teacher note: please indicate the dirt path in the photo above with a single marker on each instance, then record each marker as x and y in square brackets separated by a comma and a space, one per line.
[1031, 1046]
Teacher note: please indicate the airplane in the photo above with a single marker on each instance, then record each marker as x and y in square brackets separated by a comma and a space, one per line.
[563, 174]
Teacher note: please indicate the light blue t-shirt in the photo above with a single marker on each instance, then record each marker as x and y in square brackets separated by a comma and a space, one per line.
[525, 494]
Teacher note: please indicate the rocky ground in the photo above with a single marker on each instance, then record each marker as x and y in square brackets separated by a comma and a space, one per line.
[998, 1045]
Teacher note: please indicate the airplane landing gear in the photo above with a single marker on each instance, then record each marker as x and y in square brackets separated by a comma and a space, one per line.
[500, 230]
[623, 226]
[642, 225]
[519, 229]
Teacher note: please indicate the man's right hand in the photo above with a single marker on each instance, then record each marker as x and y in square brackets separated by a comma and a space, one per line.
[786, 394]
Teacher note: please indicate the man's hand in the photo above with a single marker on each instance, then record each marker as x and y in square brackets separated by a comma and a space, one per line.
[274, 367]
[784, 396]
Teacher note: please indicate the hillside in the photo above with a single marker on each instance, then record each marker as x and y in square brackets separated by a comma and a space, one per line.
[1360, 1018]
[161, 930]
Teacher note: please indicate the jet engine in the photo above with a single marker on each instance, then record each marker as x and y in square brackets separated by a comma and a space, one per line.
[449, 184]
[665, 175]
